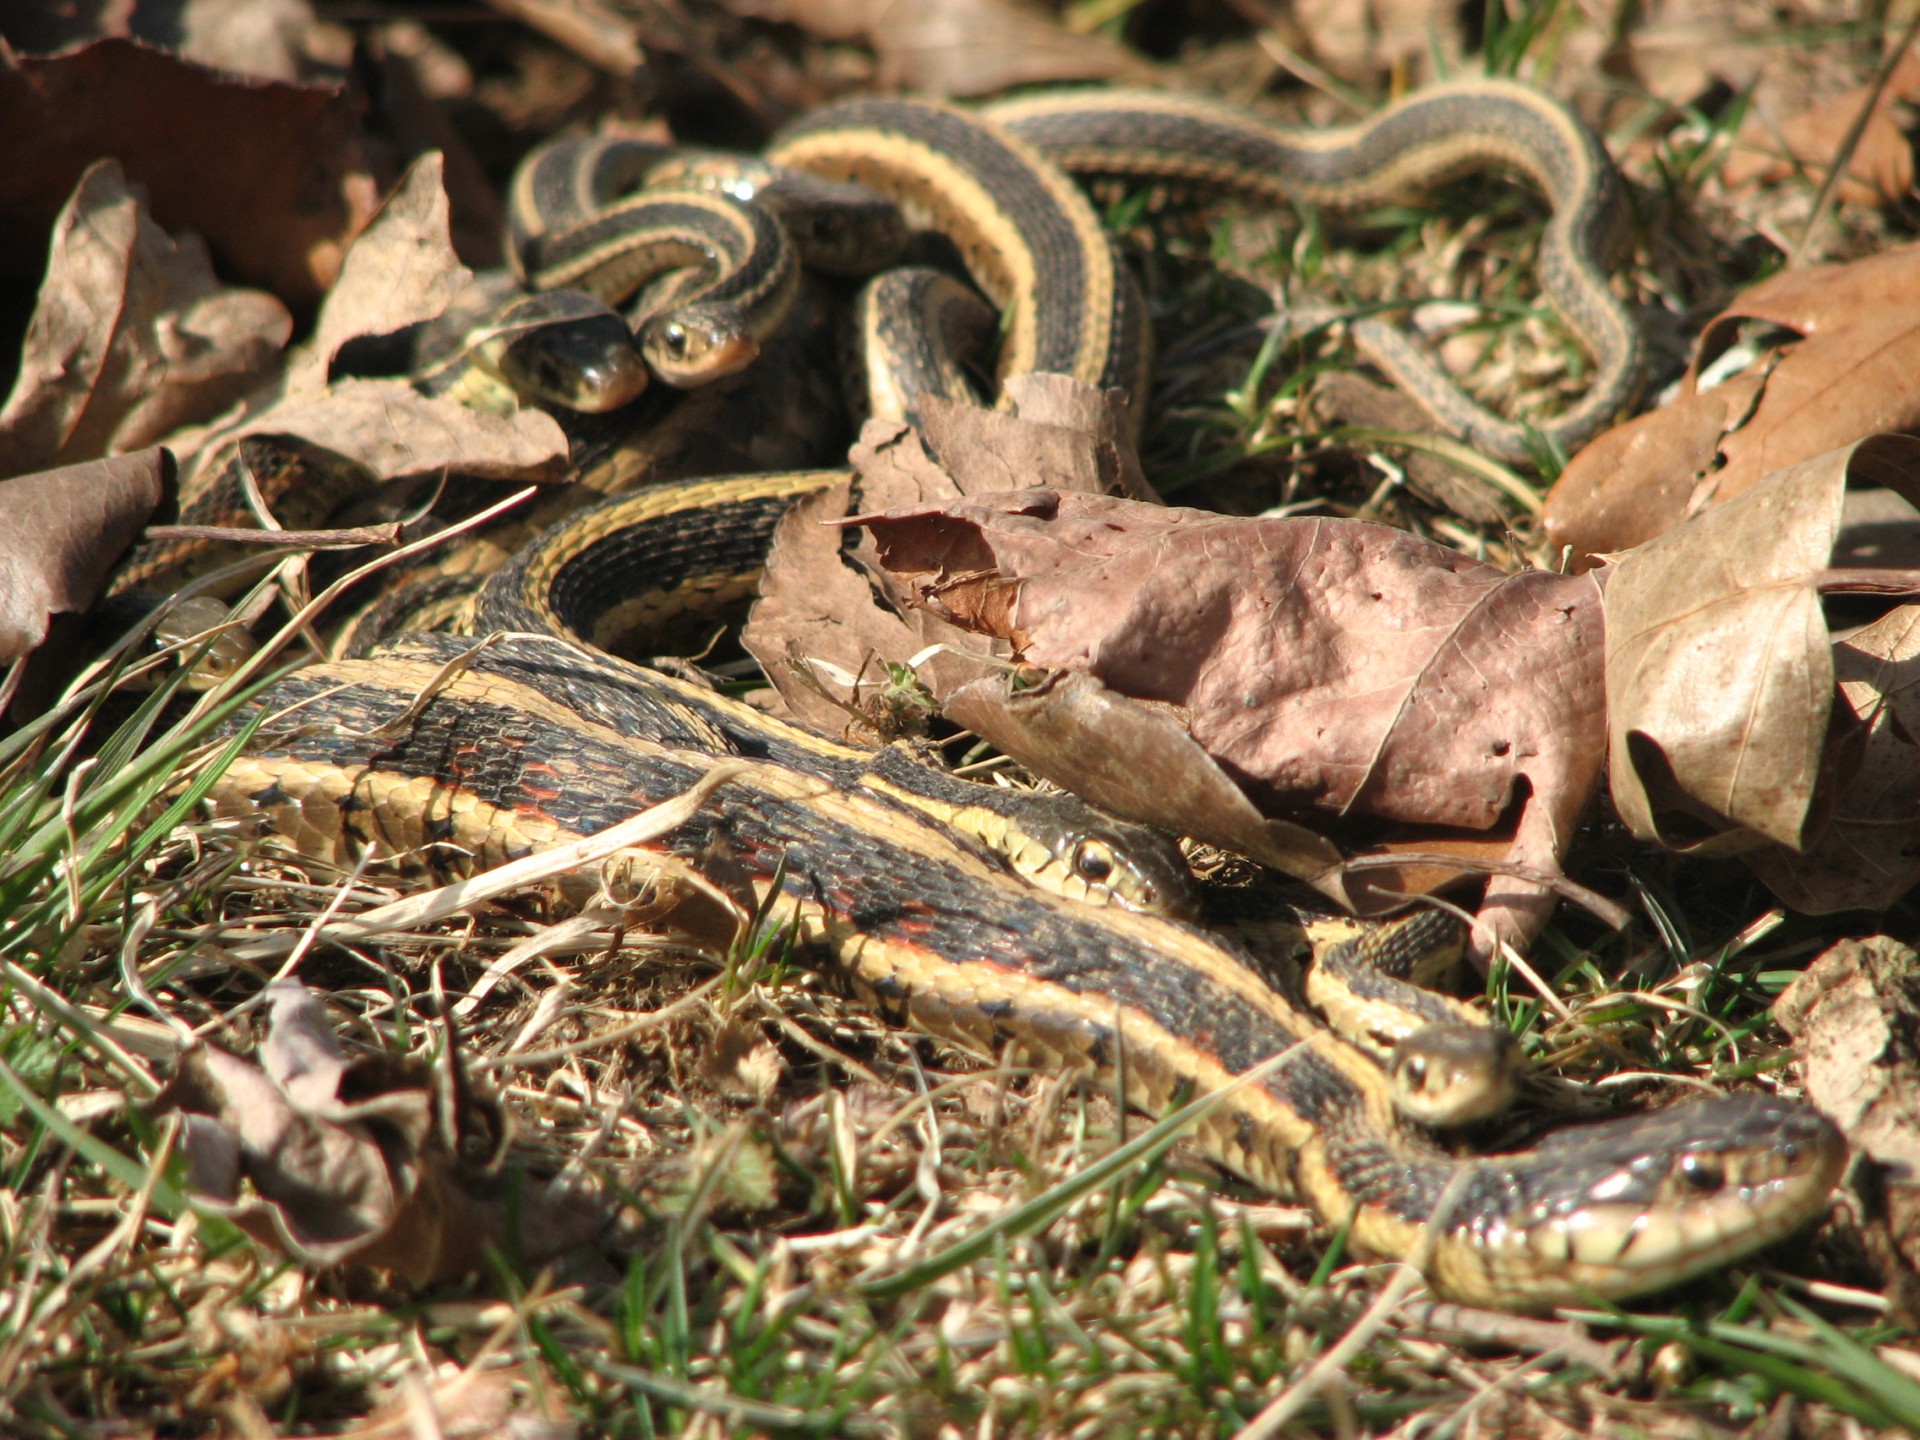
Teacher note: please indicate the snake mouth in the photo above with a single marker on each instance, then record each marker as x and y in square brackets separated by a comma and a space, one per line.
[566, 349]
[1652, 1200]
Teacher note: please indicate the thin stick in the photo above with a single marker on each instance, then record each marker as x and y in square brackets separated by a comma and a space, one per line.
[1830, 183]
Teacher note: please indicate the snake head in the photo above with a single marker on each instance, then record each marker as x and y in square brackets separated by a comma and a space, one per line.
[694, 345]
[1647, 1201]
[565, 348]
[1448, 1074]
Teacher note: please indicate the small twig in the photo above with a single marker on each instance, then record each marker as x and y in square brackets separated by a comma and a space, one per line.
[543, 942]
[652, 1020]
[348, 538]
[1866, 582]
[1592, 901]
[1548, 996]
[257, 665]
[1523, 1333]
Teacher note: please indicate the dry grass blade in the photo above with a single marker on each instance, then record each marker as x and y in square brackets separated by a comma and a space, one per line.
[1408, 1277]
[1843, 156]
[417, 911]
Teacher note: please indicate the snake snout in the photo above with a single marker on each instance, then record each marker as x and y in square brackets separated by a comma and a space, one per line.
[1654, 1199]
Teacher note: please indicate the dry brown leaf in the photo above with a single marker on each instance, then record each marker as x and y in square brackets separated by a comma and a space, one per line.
[1136, 760]
[963, 48]
[394, 430]
[1868, 854]
[1720, 673]
[1854, 1016]
[1678, 51]
[820, 629]
[1880, 170]
[399, 271]
[819, 632]
[1327, 664]
[61, 532]
[132, 336]
[376, 1160]
[270, 173]
[1855, 372]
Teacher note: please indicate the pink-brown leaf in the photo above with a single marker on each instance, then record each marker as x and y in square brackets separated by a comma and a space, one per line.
[61, 531]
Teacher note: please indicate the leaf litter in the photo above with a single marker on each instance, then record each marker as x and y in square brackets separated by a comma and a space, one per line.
[1327, 665]
[372, 1159]
[272, 174]
[1810, 798]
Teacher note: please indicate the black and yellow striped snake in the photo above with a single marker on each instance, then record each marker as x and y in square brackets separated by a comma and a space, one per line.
[540, 737]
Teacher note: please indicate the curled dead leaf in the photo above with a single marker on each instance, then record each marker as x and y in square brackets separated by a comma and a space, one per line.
[1328, 665]
[374, 1160]
[61, 532]
[400, 271]
[1720, 670]
[131, 335]
[1868, 854]
[1134, 759]
[830, 621]
[1851, 374]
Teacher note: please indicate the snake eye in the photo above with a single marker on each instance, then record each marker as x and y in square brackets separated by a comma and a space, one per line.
[1093, 861]
[1702, 1174]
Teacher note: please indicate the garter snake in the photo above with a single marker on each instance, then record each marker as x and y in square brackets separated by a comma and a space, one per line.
[1206, 147]
[1031, 241]
[535, 741]
[527, 745]
[836, 228]
[542, 739]
[713, 276]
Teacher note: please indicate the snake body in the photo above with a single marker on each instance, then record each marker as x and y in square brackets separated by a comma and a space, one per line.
[1436, 133]
[1031, 241]
[530, 745]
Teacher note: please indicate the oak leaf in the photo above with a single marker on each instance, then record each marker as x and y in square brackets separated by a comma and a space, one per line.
[1854, 372]
[830, 621]
[272, 174]
[1868, 854]
[1720, 669]
[61, 531]
[131, 336]
[1328, 665]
